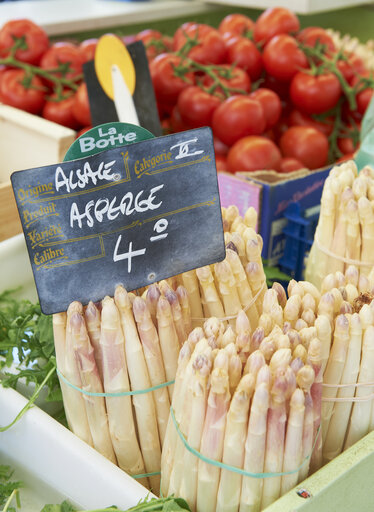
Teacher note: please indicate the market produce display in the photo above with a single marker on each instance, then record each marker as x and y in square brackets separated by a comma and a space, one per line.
[344, 232]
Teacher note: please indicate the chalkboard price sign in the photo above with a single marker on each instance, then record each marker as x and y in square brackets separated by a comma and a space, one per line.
[133, 215]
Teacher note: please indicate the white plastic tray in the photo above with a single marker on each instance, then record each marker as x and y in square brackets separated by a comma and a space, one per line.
[298, 6]
[56, 465]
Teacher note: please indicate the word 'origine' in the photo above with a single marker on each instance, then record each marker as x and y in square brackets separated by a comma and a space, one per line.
[96, 210]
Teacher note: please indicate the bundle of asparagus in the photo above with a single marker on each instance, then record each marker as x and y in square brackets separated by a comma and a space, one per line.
[249, 400]
[345, 231]
[124, 344]
[348, 387]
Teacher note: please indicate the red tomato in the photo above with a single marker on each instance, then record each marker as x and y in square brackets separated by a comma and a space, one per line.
[244, 54]
[83, 130]
[196, 106]
[81, 106]
[166, 84]
[346, 143]
[307, 145]
[281, 88]
[221, 163]
[237, 80]
[88, 48]
[310, 36]
[153, 41]
[297, 118]
[14, 93]
[60, 112]
[363, 99]
[289, 164]
[279, 129]
[219, 147]
[271, 104]
[315, 94]
[237, 117]
[273, 22]
[344, 158]
[236, 25]
[283, 58]
[36, 40]
[253, 154]
[63, 53]
[351, 67]
[176, 122]
[210, 47]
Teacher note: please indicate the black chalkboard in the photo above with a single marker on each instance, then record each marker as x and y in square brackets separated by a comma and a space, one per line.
[156, 199]
[102, 107]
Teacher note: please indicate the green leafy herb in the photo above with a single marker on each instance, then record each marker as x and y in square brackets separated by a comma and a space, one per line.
[8, 489]
[26, 342]
[169, 504]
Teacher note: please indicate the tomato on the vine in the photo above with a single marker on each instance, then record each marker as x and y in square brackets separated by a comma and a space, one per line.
[307, 145]
[35, 43]
[298, 118]
[351, 67]
[237, 117]
[236, 25]
[221, 163]
[253, 153]
[271, 104]
[81, 106]
[219, 147]
[196, 106]
[166, 83]
[63, 53]
[154, 42]
[274, 21]
[347, 145]
[13, 92]
[88, 48]
[283, 58]
[311, 36]
[235, 79]
[244, 54]
[289, 164]
[176, 122]
[363, 99]
[315, 94]
[209, 47]
[60, 112]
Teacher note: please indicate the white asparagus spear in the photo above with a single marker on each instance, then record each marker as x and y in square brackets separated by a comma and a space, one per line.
[227, 289]
[334, 368]
[178, 319]
[151, 298]
[293, 446]
[185, 307]
[251, 492]
[305, 378]
[152, 353]
[359, 424]
[95, 406]
[323, 328]
[228, 498]
[115, 380]
[144, 406]
[339, 420]
[73, 400]
[191, 283]
[169, 342]
[93, 323]
[212, 440]
[188, 485]
[275, 435]
[210, 294]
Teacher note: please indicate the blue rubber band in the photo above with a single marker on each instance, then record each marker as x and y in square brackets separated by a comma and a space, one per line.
[120, 393]
[234, 469]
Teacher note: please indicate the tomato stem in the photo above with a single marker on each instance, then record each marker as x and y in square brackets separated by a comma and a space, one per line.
[48, 74]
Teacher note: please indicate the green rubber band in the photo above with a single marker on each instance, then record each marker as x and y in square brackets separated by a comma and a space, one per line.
[120, 393]
[234, 469]
[144, 475]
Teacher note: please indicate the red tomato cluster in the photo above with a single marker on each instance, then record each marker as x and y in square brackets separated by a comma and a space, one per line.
[275, 97]
[38, 88]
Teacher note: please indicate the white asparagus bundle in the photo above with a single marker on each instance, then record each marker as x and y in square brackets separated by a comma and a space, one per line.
[250, 427]
[345, 230]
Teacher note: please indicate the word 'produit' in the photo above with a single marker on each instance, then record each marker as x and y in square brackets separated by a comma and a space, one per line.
[96, 210]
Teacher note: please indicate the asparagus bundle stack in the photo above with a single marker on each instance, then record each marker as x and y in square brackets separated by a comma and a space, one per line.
[245, 399]
[124, 344]
[348, 399]
[345, 231]
[239, 281]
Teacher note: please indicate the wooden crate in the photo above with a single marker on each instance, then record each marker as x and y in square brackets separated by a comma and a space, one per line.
[26, 141]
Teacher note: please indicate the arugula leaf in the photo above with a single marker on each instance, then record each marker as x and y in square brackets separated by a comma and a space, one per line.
[26, 341]
[7, 487]
[64, 507]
